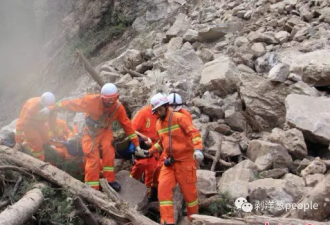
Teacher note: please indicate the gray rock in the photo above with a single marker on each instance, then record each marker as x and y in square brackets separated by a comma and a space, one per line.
[258, 49]
[316, 166]
[239, 41]
[296, 180]
[221, 45]
[180, 26]
[310, 115]
[235, 120]
[236, 179]
[264, 162]
[292, 139]
[214, 112]
[313, 179]
[174, 44]
[248, 15]
[132, 191]
[129, 59]
[266, 62]
[212, 33]
[302, 164]
[274, 173]
[206, 183]
[275, 190]
[294, 77]
[281, 157]
[313, 66]
[279, 73]
[306, 13]
[4, 131]
[206, 55]
[202, 103]
[190, 36]
[219, 76]
[245, 69]
[230, 149]
[262, 37]
[303, 89]
[204, 118]
[282, 36]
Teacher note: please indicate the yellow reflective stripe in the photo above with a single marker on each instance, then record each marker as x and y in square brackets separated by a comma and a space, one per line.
[108, 168]
[132, 136]
[37, 153]
[191, 204]
[196, 139]
[59, 104]
[18, 133]
[174, 127]
[93, 183]
[50, 133]
[158, 147]
[164, 203]
[148, 123]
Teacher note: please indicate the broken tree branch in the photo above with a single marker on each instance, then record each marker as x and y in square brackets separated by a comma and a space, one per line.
[207, 202]
[72, 185]
[83, 212]
[90, 69]
[16, 169]
[103, 220]
[112, 194]
[18, 183]
[22, 211]
[133, 73]
[217, 157]
[221, 161]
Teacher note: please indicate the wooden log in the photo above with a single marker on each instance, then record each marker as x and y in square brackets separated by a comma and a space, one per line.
[103, 220]
[15, 168]
[112, 194]
[207, 202]
[217, 157]
[317, 200]
[22, 211]
[72, 185]
[251, 220]
[90, 69]
[134, 73]
[83, 212]
[221, 161]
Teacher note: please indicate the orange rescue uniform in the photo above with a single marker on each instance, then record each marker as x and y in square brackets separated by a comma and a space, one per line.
[63, 133]
[145, 123]
[156, 173]
[185, 139]
[32, 129]
[101, 138]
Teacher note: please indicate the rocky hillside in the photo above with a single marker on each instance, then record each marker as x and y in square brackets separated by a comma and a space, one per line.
[255, 76]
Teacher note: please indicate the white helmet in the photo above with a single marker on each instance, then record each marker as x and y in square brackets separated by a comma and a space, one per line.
[109, 91]
[175, 101]
[158, 100]
[47, 99]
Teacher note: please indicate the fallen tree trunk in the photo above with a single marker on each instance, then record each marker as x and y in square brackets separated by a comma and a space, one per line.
[216, 158]
[318, 201]
[134, 73]
[104, 221]
[22, 211]
[221, 161]
[74, 186]
[90, 69]
[251, 220]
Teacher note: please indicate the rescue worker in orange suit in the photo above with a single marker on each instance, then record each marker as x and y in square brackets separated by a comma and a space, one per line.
[144, 122]
[101, 110]
[175, 101]
[63, 134]
[31, 127]
[182, 144]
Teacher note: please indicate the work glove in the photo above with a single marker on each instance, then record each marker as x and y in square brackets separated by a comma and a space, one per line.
[141, 152]
[198, 155]
[44, 113]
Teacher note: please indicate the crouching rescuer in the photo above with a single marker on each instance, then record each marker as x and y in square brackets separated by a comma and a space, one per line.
[101, 110]
[182, 144]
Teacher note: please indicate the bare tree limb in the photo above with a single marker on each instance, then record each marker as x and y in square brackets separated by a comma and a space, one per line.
[83, 211]
[217, 157]
[222, 162]
[23, 171]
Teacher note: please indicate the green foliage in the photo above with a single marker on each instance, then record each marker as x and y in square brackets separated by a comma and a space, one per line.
[110, 27]
[224, 205]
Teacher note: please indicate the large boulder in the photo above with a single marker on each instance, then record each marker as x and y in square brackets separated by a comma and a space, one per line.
[129, 59]
[4, 131]
[220, 76]
[132, 191]
[264, 99]
[212, 33]
[236, 179]
[314, 67]
[292, 139]
[281, 157]
[273, 190]
[206, 183]
[230, 149]
[180, 26]
[310, 115]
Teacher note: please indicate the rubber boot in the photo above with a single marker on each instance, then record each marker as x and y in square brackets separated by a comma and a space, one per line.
[115, 185]
[153, 195]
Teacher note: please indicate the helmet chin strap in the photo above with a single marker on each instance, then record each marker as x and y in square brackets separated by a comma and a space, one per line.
[164, 116]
